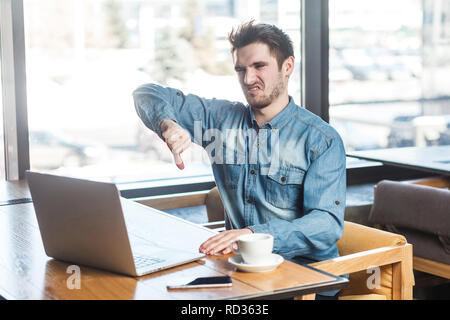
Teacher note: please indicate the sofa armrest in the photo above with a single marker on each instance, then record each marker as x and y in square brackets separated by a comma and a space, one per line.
[400, 257]
[362, 260]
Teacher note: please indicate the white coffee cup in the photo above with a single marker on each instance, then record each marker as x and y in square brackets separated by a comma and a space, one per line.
[255, 248]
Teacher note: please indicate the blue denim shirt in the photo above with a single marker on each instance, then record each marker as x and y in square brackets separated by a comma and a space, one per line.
[287, 178]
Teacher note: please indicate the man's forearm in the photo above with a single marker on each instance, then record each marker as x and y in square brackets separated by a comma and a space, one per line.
[153, 105]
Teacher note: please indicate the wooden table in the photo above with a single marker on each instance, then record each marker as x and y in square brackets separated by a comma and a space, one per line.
[434, 159]
[26, 272]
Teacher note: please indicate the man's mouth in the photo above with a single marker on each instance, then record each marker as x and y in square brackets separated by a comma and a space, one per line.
[253, 89]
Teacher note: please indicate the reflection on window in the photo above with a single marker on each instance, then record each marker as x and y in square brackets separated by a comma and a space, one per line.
[389, 65]
[85, 58]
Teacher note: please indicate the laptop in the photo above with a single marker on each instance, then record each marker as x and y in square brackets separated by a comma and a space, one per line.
[83, 222]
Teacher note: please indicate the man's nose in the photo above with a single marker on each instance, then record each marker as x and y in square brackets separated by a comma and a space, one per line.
[250, 76]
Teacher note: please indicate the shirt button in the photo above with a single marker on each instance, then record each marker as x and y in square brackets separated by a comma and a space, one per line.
[252, 171]
[337, 202]
[283, 179]
[249, 201]
[178, 93]
[275, 128]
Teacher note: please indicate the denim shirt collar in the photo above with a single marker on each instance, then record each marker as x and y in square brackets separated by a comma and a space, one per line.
[279, 120]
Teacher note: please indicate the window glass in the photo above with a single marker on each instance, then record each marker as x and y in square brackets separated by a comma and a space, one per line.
[389, 65]
[2, 141]
[85, 58]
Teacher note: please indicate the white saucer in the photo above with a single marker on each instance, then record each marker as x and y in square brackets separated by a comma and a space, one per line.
[237, 261]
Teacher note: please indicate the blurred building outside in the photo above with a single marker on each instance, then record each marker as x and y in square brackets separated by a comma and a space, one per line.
[389, 62]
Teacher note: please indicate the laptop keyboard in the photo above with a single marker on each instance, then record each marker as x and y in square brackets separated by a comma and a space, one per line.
[142, 261]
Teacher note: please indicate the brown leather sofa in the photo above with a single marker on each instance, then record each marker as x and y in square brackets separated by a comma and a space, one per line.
[420, 213]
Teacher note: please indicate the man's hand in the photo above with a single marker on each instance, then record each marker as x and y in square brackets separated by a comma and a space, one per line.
[177, 139]
[221, 242]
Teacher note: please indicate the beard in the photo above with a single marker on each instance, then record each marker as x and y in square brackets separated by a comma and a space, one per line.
[260, 102]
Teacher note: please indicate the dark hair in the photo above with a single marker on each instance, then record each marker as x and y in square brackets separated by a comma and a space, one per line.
[279, 43]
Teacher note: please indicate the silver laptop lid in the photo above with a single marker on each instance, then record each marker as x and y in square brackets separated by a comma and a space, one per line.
[81, 221]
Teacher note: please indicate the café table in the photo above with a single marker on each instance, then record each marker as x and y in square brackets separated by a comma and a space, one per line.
[26, 272]
[433, 159]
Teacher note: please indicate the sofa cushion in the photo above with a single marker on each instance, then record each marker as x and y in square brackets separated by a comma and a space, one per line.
[420, 213]
[412, 206]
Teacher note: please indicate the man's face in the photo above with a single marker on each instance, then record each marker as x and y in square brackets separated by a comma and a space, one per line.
[261, 80]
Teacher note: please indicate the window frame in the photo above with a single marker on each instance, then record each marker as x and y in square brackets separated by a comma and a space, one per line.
[14, 91]
[315, 93]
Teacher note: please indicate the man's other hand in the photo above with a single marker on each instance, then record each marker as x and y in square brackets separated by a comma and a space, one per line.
[220, 243]
[177, 139]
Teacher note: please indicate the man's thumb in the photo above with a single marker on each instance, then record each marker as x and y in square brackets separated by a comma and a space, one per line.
[178, 161]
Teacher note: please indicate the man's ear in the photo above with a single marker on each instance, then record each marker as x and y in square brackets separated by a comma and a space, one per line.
[288, 66]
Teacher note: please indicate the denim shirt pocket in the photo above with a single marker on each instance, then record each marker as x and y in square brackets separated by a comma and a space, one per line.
[285, 188]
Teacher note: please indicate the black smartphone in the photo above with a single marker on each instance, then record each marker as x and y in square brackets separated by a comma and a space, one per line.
[205, 282]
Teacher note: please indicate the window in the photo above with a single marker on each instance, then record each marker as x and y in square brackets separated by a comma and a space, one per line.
[389, 65]
[2, 144]
[84, 59]
[2, 141]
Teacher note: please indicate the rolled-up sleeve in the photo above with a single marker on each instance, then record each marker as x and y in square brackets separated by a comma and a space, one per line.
[155, 103]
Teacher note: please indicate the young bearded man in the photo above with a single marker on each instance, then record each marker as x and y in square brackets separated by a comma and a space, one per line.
[297, 194]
